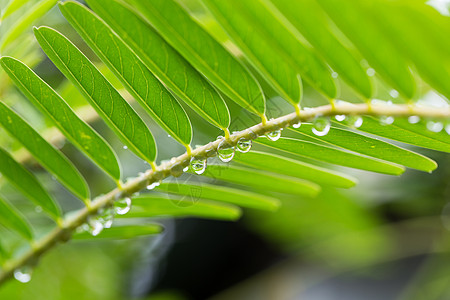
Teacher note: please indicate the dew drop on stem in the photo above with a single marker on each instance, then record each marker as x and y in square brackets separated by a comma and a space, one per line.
[198, 165]
[23, 274]
[386, 120]
[413, 119]
[321, 126]
[274, 135]
[225, 151]
[434, 126]
[122, 206]
[244, 145]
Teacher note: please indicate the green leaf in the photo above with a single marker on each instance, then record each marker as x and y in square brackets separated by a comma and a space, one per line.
[49, 157]
[414, 37]
[258, 46]
[290, 167]
[302, 57]
[134, 75]
[414, 134]
[24, 181]
[222, 194]
[103, 97]
[204, 53]
[146, 206]
[354, 19]
[4, 255]
[160, 58]
[122, 232]
[262, 180]
[372, 147]
[332, 155]
[25, 21]
[52, 105]
[12, 219]
[12, 6]
[311, 21]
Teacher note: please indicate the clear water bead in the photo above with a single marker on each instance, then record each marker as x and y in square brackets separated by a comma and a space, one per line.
[225, 151]
[125, 147]
[198, 165]
[413, 119]
[244, 145]
[340, 118]
[104, 219]
[122, 206]
[152, 185]
[354, 121]
[386, 120]
[23, 274]
[274, 135]
[435, 126]
[447, 128]
[297, 125]
[321, 126]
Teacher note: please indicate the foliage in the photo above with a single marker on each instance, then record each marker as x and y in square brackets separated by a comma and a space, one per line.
[169, 60]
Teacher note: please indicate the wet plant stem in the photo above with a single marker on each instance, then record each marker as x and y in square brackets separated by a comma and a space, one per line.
[64, 232]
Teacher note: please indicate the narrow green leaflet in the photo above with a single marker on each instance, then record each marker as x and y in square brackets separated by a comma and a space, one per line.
[258, 46]
[24, 181]
[203, 52]
[332, 155]
[49, 157]
[105, 99]
[11, 7]
[301, 57]
[262, 180]
[294, 168]
[147, 206]
[372, 147]
[223, 194]
[135, 76]
[414, 134]
[415, 40]
[311, 21]
[25, 21]
[121, 232]
[160, 58]
[12, 219]
[355, 21]
[52, 105]
[4, 255]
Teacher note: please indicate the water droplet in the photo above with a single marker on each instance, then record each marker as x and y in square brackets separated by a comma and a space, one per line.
[370, 72]
[340, 118]
[198, 165]
[125, 147]
[274, 135]
[104, 219]
[435, 126]
[152, 185]
[334, 75]
[394, 93]
[122, 206]
[23, 274]
[321, 126]
[414, 119]
[38, 209]
[354, 121]
[244, 145]
[297, 125]
[386, 120]
[447, 128]
[186, 169]
[225, 151]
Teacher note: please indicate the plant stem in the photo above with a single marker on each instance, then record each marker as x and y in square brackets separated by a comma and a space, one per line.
[63, 234]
